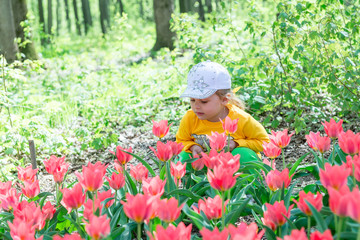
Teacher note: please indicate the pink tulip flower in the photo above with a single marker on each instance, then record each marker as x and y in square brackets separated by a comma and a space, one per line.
[164, 151]
[31, 189]
[349, 142]
[323, 144]
[275, 213]
[181, 232]
[281, 138]
[32, 214]
[153, 186]
[139, 172]
[229, 126]
[211, 207]
[339, 200]
[332, 128]
[321, 236]
[312, 140]
[98, 227]
[5, 187]
[199, 164]
[73, 236]
[48, 210]
[92, 176]
[315, 200]
[116, 181]
[244, 231]
[56, 167]
[20, 229]
[73, 198]
[102, 196]
[138, 207]
[334, 176]
[10, 200]
[122, 157]
[270, 164]
[161, 128]
[215, 234]
[176, 147]
[211, 159]
[91, 207]
[178, 171]
[353, 208]
[297, 235]
[168, 210]
[276, 180]
[217, 140]
[271, 150]
[221, 179]
[26, 174]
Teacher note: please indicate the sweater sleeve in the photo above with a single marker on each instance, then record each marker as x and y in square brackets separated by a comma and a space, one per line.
[255, 135]
[183, 134]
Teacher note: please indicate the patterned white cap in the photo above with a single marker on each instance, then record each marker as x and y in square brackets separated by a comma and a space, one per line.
[205, 78]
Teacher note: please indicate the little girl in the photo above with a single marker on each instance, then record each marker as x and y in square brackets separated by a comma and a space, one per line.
[211, 100]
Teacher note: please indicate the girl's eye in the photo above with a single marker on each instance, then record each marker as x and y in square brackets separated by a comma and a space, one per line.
[192, 100]
[204, 102]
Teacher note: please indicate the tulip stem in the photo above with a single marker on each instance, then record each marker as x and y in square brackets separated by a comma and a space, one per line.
[279, 231]
[223, 209]
[309, 226]
[358, 235]
[283, 157]
[115, 196]
[339, 228]
[228, 143]
[139, 231]
[333, 154]
[57, 194]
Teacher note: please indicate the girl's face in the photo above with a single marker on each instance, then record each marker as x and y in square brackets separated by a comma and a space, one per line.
[212, 108]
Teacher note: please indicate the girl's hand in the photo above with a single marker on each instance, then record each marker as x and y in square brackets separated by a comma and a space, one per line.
[232, 145]
[196, 149]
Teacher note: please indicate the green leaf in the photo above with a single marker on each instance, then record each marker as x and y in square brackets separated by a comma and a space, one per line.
[321, 224]
[130, 184]
[296, 164]
[288, 195]
[183, 192]
[116, 217]
[196, 218]
[234, 215]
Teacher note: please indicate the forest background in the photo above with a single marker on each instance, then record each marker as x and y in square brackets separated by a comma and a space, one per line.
[82, 72]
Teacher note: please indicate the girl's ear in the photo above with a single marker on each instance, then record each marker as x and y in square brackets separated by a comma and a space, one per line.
[226, 99]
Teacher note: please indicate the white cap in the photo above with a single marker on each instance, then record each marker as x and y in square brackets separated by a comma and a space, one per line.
[205, 78]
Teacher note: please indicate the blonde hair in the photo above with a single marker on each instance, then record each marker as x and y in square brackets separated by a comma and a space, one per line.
[232, 98]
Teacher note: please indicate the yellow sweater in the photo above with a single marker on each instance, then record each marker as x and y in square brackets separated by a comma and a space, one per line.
[250, 133]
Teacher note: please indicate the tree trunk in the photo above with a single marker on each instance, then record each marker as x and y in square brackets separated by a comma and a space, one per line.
[50, 16]
[41, 21]
[8, 46]
[162, 14]
[182, 6]
[85, 6]
[201, 11]
[208, 6]
[141, 9]
[68, 21]
[27, 46]
[77, 20]
[121, 7]
[102, 7]
[58, 18]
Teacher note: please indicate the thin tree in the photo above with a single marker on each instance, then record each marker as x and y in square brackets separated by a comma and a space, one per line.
[208, 6]
[50, 17]
[26, 46]
[67, 15]
[77, 20]
[121, 7]
[58, 17]
[201, 11]
[41, 21]
[162, 14]
[104, 15]
[85, 6]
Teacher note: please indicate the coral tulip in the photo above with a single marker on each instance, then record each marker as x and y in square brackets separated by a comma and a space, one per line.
[56, 167]
[181, 232]
[92, 176]
[161, 128]
[116, 181]
[102, 196]
[164, 151]
[271, 150]
[244, 231]
[221, 179]
[276, 180]
[211, 207]
[353, 209]
[31, 189]
[10, 200]
[217, 141]
[122, 157]
[168, 210]
[349, 142]
[332, 128]
[272, 164]
[48, 210]
[91, 207]
[178, 171]
[297, 235]
[98, 227]
[281, 138]
[321, 236]
[334, 176]
[73, 236]
[198, 164]
[138, 207]
[339, 200]
[229, 126]
[139, 172]
[153, 186]
[73, 198]
[215, 234]
[5, 187]
[29, 212]
[20, 229]
[323, 144]
[176, 147]
[312, 139]
[26, 174]
[315, 200]
[274, 215]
